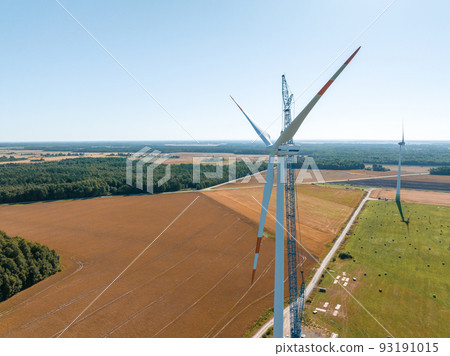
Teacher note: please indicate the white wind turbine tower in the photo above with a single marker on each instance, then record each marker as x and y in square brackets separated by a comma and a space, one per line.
[401, 144]
[397, 195]
[282, 150]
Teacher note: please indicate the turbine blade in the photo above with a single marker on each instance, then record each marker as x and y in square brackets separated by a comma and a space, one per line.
[263, 135]
[403, 132]
[291, 130]
[265, 207]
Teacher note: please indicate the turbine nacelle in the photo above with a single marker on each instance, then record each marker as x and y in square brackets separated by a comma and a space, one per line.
[288, 150]
[403, 135]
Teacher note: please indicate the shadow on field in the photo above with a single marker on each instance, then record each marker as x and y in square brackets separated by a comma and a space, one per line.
[399, 206]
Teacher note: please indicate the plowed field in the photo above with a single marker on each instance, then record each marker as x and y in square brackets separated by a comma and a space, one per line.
[415, 196]
[323, 210]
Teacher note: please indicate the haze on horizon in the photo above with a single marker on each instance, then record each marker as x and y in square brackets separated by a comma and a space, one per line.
[60, 85]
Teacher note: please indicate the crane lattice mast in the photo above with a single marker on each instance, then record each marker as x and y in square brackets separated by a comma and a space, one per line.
[295, 298]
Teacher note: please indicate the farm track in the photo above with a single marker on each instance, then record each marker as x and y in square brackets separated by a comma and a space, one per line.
[323, 264]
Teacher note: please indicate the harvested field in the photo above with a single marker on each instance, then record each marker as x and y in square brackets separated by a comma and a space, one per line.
[180, 287]
[406, 184]
[35, 156]
[192, 282]
[408, 169]
[415, 196]
[187, 157]
[428, 178]
[337, 175]
[323, 210]
[30, 156]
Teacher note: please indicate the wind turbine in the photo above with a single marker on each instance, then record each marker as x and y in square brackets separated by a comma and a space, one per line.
[397, 195]
[282, 149]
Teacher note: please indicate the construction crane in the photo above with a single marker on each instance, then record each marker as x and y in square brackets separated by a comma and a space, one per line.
[296, 299]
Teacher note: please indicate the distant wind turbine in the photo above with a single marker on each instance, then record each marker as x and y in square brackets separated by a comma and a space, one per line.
[397, 195]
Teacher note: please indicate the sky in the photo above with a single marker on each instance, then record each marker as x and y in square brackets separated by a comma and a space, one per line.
[59, 84]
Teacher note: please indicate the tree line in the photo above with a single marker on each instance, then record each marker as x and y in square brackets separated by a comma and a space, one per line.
[435, 154]
[441, 171]
[93, 177]
[24, 263]
[10, 159]
[331, 164]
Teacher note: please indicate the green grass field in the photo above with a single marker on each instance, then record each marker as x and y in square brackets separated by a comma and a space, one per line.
[383, 245]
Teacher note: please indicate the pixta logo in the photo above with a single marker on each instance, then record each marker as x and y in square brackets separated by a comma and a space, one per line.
[215, 170]
[151, 160]
[304, 174]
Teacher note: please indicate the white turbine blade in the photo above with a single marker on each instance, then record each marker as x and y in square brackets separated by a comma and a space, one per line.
[403, 132]
[265, 207]
[266, 195]
[291, 130]
[264, 136]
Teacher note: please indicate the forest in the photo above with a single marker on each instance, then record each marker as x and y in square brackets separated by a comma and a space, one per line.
[85, 177]
[93, 177]
[24, 263]
[440, 171]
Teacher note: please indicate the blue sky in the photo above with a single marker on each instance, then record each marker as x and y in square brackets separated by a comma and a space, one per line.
[58, 84]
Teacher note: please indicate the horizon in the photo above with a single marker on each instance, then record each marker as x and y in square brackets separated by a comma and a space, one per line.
[249, 142]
